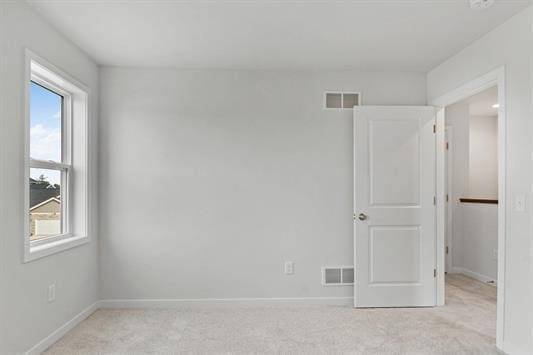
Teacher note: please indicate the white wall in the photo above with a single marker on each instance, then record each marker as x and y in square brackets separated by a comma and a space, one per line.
[479, 240]
[474, 158]
[210, 180]
[483, 160]
[509, 45]
[26, 316]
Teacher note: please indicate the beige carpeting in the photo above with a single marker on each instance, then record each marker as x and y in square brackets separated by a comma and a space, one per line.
[466, 325]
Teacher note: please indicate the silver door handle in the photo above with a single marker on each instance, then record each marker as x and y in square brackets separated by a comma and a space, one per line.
[362, 216]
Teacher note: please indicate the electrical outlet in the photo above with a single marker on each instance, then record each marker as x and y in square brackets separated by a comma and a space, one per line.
[520, 203]
[52, 293]
[289, 268]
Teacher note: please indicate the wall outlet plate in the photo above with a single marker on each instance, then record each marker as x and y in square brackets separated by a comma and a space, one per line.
[289, 268]
[52, 293]
[520, 203]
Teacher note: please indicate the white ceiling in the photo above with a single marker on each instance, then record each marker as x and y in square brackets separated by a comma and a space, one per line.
[481, 104]
[274, 34]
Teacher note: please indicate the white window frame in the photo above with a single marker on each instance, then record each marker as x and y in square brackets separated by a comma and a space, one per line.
[48, 76]
[64, 166]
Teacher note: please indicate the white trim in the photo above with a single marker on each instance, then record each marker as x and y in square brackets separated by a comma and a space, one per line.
[473, 274]
[48, 69]
[456, 270]
[202, 302]
[493, 78]
[50, 81]
[62, 330]
[66, 242]
[509, 348]
[449, 191]
[44, 73]
[470, 88]
[48, 165]
[49, 239]
[440, 205]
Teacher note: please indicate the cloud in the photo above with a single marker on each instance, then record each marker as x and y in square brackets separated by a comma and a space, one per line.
[45, 143]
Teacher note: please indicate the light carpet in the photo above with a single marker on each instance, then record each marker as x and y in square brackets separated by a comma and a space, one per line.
[466, 325]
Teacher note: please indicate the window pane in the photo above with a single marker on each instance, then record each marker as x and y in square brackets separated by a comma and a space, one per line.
[45, 203]
[45, 123]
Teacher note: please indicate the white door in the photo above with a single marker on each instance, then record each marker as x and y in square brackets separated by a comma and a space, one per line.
[394, 211]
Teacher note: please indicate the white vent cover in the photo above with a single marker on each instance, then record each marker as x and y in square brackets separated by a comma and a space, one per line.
[337, 275]
[341, 100]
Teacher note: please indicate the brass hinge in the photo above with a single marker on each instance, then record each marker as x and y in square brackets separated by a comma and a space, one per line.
[434, 272]
[434, 128]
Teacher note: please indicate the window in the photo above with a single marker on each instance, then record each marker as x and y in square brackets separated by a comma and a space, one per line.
[56, 160]
[49, 161]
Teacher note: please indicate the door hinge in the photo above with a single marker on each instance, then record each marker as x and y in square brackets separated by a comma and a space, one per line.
[434, 128]
[434, 272]
[435, 200]
[447, 250]
[447, 146]
[447, 198]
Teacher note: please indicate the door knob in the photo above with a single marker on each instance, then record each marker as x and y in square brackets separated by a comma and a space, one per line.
[362, 216]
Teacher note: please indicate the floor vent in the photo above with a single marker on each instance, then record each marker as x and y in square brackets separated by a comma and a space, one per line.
[337, 275]
[341, 100]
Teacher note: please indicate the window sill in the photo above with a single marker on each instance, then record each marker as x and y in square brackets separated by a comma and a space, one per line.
[35, 252]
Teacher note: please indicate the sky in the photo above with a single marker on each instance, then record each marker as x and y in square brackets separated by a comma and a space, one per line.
[45, 129]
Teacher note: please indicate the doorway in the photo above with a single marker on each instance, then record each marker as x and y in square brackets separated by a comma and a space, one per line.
[471, 191]
[382, 157]
[471, 227]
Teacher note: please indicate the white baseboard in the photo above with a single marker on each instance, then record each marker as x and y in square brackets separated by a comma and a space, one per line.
[456, 270]
[217, 302]
[472, 274]
[62, 330]
[511, 349]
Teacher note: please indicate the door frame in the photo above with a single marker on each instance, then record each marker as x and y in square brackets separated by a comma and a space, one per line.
[449, 200]
[495, 77]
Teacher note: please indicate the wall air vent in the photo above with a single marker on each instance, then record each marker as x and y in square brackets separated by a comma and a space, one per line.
[341, 100]
[337, 275]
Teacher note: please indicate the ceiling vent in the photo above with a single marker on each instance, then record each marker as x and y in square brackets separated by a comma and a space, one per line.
[341, 100]
[481, 4]
[337, 276]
